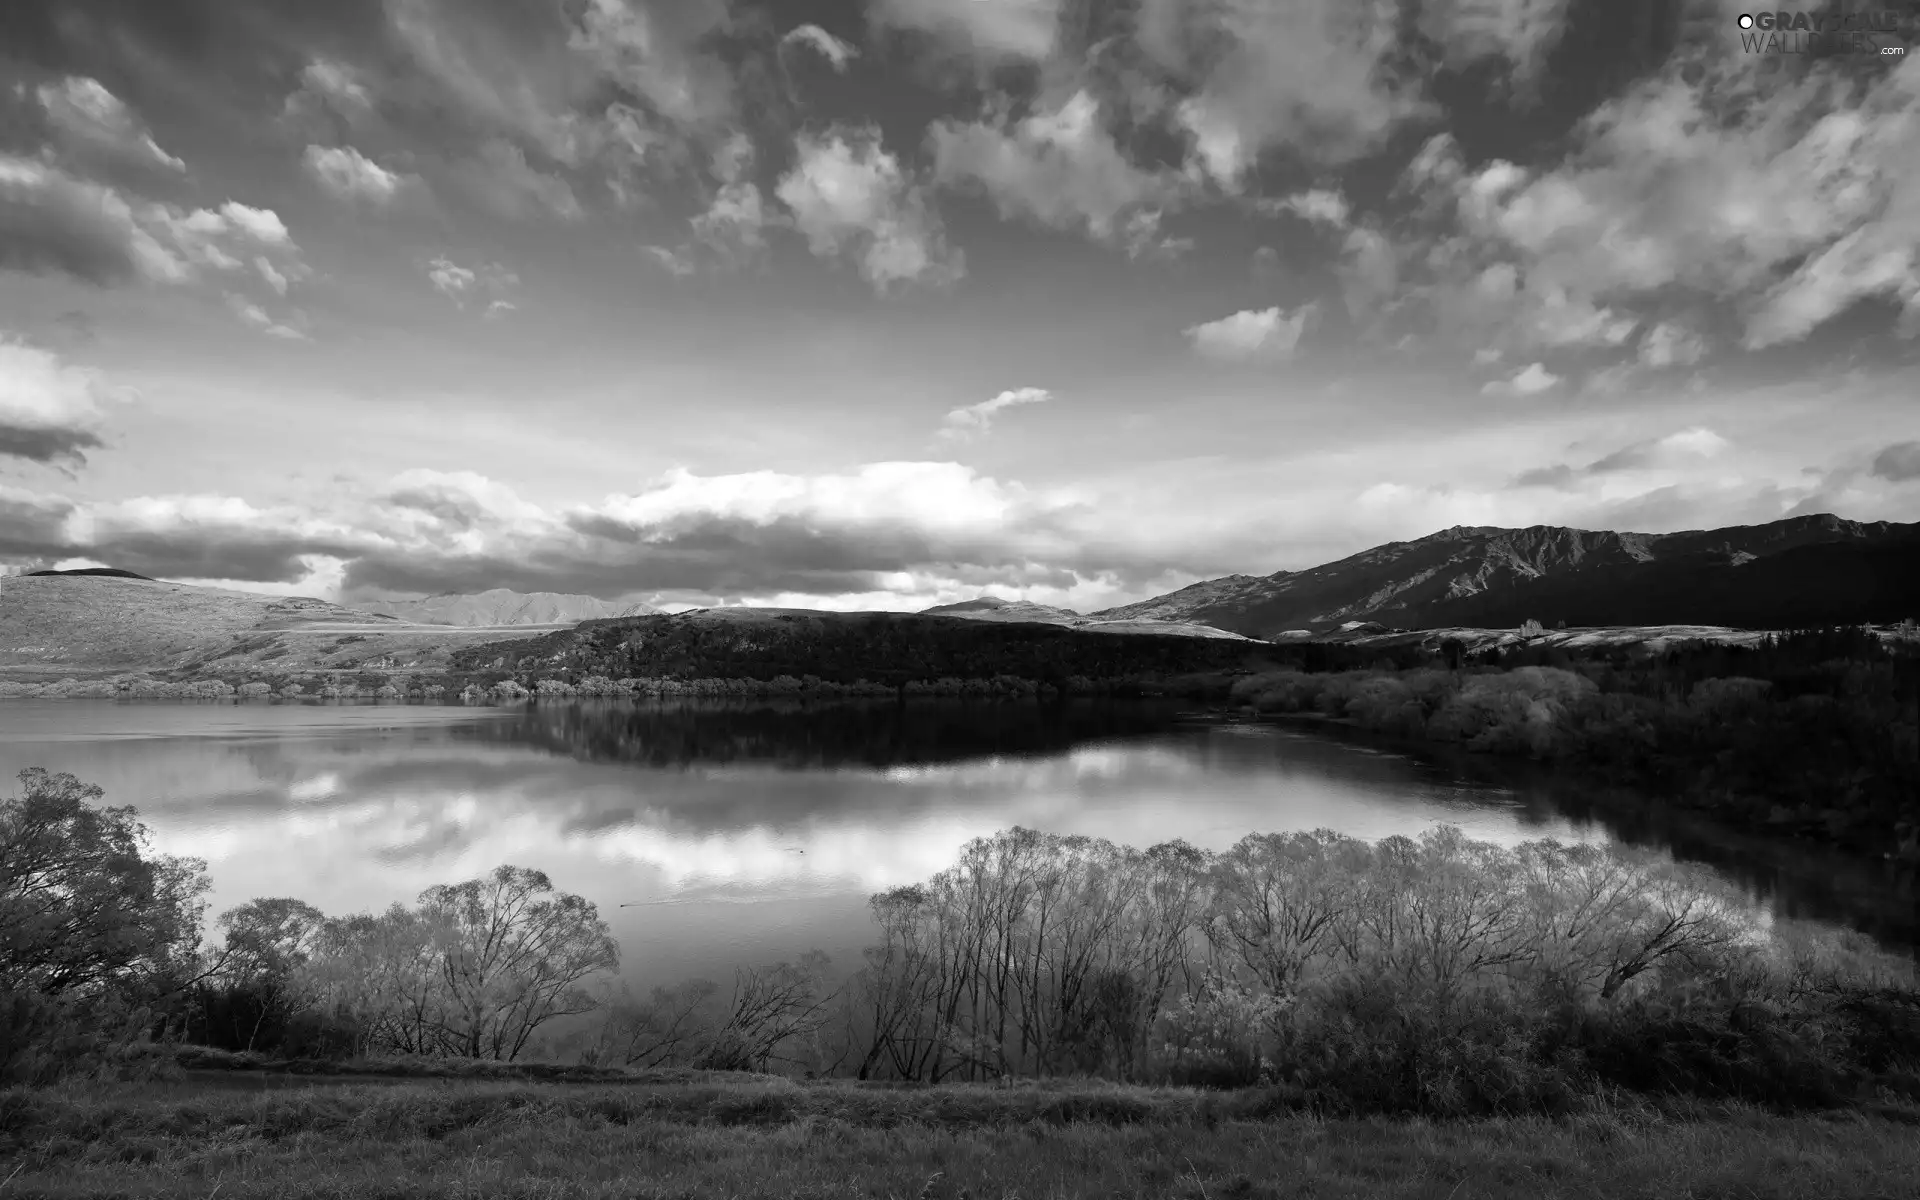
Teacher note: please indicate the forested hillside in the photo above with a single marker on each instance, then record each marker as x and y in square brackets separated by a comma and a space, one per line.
[885, 649]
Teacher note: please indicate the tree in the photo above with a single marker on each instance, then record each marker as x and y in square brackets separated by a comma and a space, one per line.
[267, 941]
[83, 910]
[513, 956]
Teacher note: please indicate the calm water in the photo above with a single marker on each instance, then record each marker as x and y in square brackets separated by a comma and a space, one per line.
[746, 832]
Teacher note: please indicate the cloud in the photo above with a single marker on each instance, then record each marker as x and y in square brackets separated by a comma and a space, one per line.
[733, 226]
[1521, 32]
[678, 263]
[489, 281]
[1677, 452]
[1058, 167]
[330, 86]
[975, 420]
[501, 179]
[51, 222]
[1314, 77]
[848, 195]
[829, 47]
[1671, 345]
[1898, 463]
[48, 412]
[1322, 206]
[1530, 381]
[1784, 200]
[1688, 444]
[257, 317]
[274, 277]
[1267, 335]
[351, 175]
[989, 30]
[655, 51]
[93, 126]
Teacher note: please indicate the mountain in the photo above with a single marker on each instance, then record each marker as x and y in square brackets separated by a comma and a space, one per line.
[1799, 571]
[993, 608]
[498, 606]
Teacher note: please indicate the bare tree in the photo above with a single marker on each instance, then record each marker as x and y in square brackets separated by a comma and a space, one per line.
[770, 1007]
[513, 955]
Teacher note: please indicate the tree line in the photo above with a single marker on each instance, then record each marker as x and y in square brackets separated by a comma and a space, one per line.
[1813, 734]
[1434, 974]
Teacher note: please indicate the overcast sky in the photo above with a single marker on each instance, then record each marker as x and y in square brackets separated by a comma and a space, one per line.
[884, 303]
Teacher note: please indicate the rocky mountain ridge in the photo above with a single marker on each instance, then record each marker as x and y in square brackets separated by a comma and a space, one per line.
[1475, 575]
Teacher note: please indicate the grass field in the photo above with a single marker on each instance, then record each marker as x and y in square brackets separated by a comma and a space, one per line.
[687, 1134]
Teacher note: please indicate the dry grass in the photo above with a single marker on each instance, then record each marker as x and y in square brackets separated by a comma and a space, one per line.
[749, 1136]
[56, 627]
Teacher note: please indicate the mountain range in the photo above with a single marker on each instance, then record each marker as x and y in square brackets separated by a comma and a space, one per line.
[1800, 571]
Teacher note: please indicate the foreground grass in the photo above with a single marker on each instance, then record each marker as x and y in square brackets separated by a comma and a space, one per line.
[702, 1136]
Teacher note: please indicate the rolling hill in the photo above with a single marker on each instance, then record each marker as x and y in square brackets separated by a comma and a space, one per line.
[992, 608]
[1799, 571]
[83, 626]
[499, 606]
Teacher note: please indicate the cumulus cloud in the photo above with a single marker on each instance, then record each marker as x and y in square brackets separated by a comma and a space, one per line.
[975, 420]
[1785, 200]
[351, 175]
[94, 127]
[1898, 463]
[483, 281]
[48, 412]
[51, 222]
[826, 45]
[1313, 76]
[1059, 167]
[848, 195]
[990, 30]
[1266, 335]
[1531, 380]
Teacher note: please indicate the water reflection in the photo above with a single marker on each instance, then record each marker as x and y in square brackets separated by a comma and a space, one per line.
[745, 831]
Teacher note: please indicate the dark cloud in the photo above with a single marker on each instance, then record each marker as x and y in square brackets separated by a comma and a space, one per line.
[188, 552]
[1559, 475]
[33, 527]
[48, 446]
[52, 223]
[1898, 463]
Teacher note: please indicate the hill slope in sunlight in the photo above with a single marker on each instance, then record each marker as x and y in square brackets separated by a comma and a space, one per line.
[501, 606]
[52, 626]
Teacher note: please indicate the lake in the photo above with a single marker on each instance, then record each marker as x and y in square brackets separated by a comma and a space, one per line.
[741, 833]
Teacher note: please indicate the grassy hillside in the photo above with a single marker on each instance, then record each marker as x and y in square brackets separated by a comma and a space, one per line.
[57, 626]
[733, 1136]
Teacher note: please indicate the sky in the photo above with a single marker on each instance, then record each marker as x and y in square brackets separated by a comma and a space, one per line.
[888, 303]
